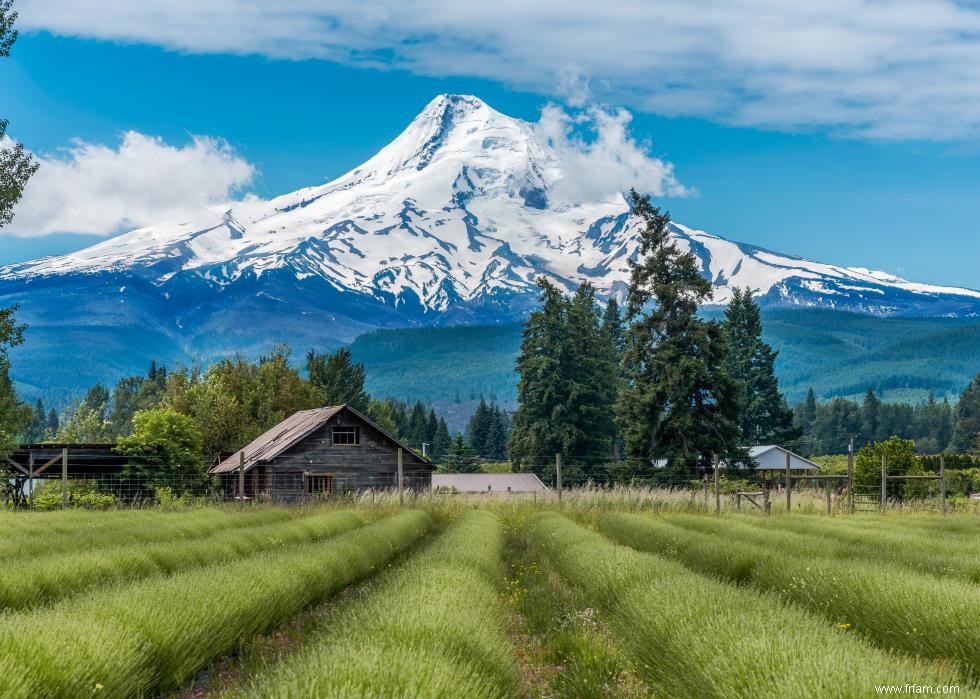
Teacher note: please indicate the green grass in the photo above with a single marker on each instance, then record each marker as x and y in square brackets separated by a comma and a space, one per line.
[694, 636]
[896, 609]
[44, 579]
[142, 638]
[29, 534]
[567, 646]
[433, 628]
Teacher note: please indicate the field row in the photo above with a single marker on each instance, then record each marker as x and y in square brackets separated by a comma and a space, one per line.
[482, 606]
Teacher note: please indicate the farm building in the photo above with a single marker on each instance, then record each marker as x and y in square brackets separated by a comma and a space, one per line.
[488, 482]
[769, 459]
[772, 457]
[318, 452]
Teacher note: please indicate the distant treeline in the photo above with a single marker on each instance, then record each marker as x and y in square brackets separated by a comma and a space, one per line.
[935, 426]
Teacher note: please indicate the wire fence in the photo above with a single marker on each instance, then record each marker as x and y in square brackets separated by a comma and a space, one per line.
[656, 485]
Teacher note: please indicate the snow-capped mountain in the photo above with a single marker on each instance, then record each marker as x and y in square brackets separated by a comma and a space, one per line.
[451, 222]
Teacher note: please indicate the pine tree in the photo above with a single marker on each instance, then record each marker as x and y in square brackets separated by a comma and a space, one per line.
[37, 426]
[966, 428]
[16, 165]
[13, 414]
[495, 444]
[441, 442]
[478, 428]
[461, 458]
[417, 426]
[679, 402]
[871, 418]
[339, 378]
[53, 424]
[539, 424]
[765, 418]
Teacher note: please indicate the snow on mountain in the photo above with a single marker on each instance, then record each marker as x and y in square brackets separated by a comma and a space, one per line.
[453, 220]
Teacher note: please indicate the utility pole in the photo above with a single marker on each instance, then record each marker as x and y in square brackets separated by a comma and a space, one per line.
[850, 474]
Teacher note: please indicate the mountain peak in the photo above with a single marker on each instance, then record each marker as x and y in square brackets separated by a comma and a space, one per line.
[458, 215]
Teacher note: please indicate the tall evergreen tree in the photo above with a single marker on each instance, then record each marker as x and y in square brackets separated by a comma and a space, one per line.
[13, 413]
[53, 424]
[966, 428]
[441, 442]
[764, 416]
[461, 458]
[540, 422]
[37, 427]
[339, 377]
[679, 402]
[417, 426]
[479, 427]
[871, 418]
[16, 165]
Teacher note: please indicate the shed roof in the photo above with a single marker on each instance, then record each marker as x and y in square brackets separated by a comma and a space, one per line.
[291, 431]
[489, 482]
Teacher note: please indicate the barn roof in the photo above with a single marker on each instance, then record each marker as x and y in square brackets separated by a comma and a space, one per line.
[291, 431]
[489, 482]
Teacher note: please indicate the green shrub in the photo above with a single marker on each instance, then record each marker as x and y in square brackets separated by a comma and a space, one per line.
[81, 494]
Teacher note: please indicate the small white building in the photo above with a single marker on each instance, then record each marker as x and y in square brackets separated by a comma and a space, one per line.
[488, 483]
[769, 458]
[772, 457]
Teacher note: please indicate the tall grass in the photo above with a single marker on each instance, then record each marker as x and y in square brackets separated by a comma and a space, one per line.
[58, 532]
[143, 638]
[900, 610]
[42, 580]
[434, 628]
[925, 553]
[696, 637]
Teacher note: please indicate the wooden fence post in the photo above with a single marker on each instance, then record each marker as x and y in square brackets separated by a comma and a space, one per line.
[942, 480]
[64, 478]
[558, 476]
[401, 478]
[884, 482]
[717, 485]
[738, 501]
[241, 479]
[766, 502]
[30, 480]
[789, 483]
[829, 510]
[850, 475]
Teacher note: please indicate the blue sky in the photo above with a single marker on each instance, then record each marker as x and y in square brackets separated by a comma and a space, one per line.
[889, 187]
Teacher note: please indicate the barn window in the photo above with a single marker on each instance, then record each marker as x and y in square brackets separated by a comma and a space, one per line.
[346, 436]
[319, 485]
[290, 480]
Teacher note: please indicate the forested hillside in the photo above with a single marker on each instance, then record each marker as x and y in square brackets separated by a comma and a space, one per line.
[837, 353]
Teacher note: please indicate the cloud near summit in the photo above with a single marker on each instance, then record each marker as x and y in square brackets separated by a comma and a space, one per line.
[902, 69]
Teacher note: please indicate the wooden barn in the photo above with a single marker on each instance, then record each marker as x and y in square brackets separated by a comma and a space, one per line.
[319, 452]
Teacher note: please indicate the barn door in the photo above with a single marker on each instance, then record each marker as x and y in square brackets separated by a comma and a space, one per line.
[319, 484]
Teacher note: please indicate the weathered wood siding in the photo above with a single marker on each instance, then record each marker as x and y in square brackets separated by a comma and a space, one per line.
[372, 463]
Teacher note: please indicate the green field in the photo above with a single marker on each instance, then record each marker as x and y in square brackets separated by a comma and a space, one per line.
[509, 597]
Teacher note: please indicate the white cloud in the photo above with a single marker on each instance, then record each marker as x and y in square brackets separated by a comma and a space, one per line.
[604, 159]
[91, 188]
[892, 69]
